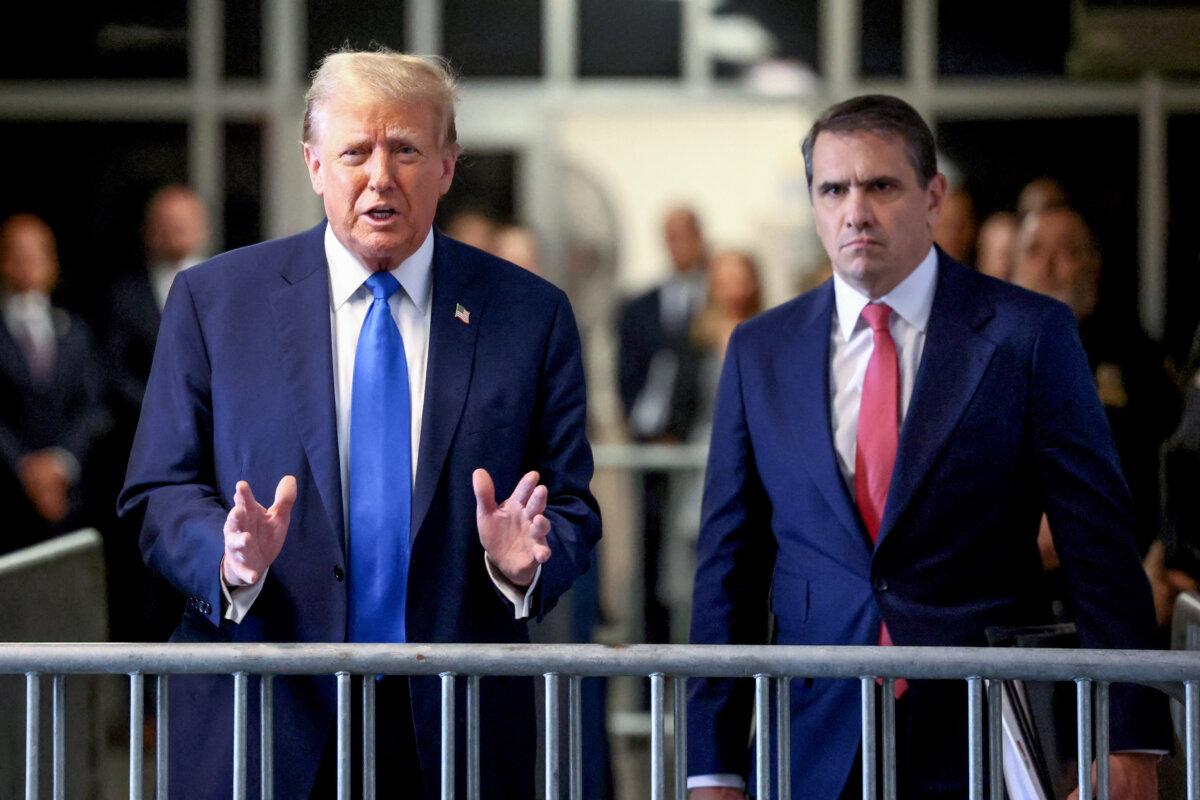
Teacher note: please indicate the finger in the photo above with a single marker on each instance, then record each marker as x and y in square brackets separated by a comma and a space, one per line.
[285, 496]
[235, 542]
[243, 497]
[540, 553]
[485, 492]
[525, 488]
[539, 528]
[537, 502]
[237, 520]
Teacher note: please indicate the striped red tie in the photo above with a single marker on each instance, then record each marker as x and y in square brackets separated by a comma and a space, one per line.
[878, 434]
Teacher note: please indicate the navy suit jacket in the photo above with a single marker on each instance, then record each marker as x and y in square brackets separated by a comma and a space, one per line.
[242, 389]
[1004, 422]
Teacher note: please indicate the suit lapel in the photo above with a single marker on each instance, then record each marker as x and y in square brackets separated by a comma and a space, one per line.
[301, 310]
[804, 377]
[451, 360]
[955, 357]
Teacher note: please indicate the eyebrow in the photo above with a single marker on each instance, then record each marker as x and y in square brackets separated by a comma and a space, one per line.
[823, 185]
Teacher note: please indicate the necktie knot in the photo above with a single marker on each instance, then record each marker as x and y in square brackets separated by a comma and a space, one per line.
[877, 315]
[382, 285]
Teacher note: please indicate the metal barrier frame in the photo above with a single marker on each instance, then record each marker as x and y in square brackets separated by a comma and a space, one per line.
[1091, 670]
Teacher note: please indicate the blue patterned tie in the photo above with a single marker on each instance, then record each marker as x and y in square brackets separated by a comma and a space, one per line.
[380, 473]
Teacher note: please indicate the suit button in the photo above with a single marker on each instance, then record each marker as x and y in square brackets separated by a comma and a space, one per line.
[881, 585]
[338, 574]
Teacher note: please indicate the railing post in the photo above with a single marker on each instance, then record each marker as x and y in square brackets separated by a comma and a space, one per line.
[343, 734]
[58, 733]
[975, 736]
[137, 713]
[33, 734]
[1083, 734]
[887, 698]
[783, 737]
[551, 684]
[995, 719]
[266, 723]
[368, 736]
[869, 752]
[762, 734]
[1102, 740]
[575, 736]
[658, 772]
[162, 744]
[473, 684]
[1191, 715]
[240, 699]
[679, 727]
[447, 736]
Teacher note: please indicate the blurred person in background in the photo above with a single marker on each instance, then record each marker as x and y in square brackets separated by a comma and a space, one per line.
[1040, 194]
[474, 228]
[1057, 255]
[518, 244]
[51, 393]
[657, 378]
[955, 228]
[1173, 563]
[995, 244]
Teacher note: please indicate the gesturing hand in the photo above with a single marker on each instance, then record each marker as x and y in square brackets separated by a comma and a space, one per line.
[253, 534]
[1131, 776]
[513, 534]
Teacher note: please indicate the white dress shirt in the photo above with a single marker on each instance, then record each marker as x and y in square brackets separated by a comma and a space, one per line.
[851, 345]
[162, 275]
[349, 301]
[30, 319]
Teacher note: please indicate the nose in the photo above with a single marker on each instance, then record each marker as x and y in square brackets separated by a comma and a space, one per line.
[859, 214]
[380, 172]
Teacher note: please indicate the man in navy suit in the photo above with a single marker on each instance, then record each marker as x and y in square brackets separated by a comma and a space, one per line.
[883, 450]
[386, 383]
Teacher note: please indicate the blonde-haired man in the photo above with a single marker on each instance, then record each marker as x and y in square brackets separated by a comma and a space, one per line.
[389, 383]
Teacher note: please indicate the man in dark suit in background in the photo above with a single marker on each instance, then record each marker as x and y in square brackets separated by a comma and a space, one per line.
[387, 384]
[51, 404]
[657, 374]
[883, 450]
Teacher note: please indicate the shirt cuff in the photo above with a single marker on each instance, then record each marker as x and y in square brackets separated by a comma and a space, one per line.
[726, 780]
[237, 600]
[520, 598]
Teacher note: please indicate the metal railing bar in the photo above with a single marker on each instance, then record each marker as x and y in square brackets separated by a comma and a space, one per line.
[473, 721]
[995, 720]
[1102, 731]
[975, 737]
[266, 724]
[888, 700]
[33, 735]
[575, 736]
[447, 735]
[58, 733]
[869, 749]
[679, 729]
[137, 712]
[732, 661]
[1191, 715]
[783, 737]
[162, 740]
[762, 735]
[658, 771]
[368, 736]
[551, 683]
[343, 735]
[241, 692]
[1083, 735]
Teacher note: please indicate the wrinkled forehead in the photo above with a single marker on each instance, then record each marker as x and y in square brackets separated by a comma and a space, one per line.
[364, 113]
[860, 154]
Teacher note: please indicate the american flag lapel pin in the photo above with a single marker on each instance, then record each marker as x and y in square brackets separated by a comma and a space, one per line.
[461, 314]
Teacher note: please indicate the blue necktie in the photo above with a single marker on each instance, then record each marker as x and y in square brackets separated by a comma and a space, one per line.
[380, 473]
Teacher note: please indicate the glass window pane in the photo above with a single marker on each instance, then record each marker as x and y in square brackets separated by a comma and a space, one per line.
[629, 38]
[483, 38]
[243, 38]
[1017, 37]
[789, 31]
[243, 185]
[1183, 249]
[98, 40]
[881, 52]
[484, 183]
[357, 23]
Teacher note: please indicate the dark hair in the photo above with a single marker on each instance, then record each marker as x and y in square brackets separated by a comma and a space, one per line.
[877, 113]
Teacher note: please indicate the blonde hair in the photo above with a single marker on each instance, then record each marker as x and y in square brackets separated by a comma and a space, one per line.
[382, 75]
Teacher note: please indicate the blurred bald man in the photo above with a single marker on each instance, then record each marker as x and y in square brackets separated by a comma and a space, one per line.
[51, 411]
[1057, 255]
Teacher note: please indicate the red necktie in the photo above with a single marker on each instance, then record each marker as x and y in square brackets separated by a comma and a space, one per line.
[878, 433]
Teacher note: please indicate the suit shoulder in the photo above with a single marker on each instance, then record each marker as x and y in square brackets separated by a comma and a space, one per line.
[253, 262]
[1014, 307]
[505, 280]
[785, 318]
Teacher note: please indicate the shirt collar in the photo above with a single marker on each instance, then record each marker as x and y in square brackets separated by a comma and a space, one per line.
[912, 299]
[347, 273]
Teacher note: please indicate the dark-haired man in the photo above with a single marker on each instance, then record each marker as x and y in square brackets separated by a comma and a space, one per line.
[883, 450]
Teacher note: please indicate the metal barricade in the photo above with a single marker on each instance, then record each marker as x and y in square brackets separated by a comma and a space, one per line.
[771, 667]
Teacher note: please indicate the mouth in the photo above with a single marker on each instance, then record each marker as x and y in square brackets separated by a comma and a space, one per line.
[381, 213]
[859, 243]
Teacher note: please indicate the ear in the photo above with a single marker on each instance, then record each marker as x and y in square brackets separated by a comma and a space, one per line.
[449, 160]
[936, 193]
[312, 159]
